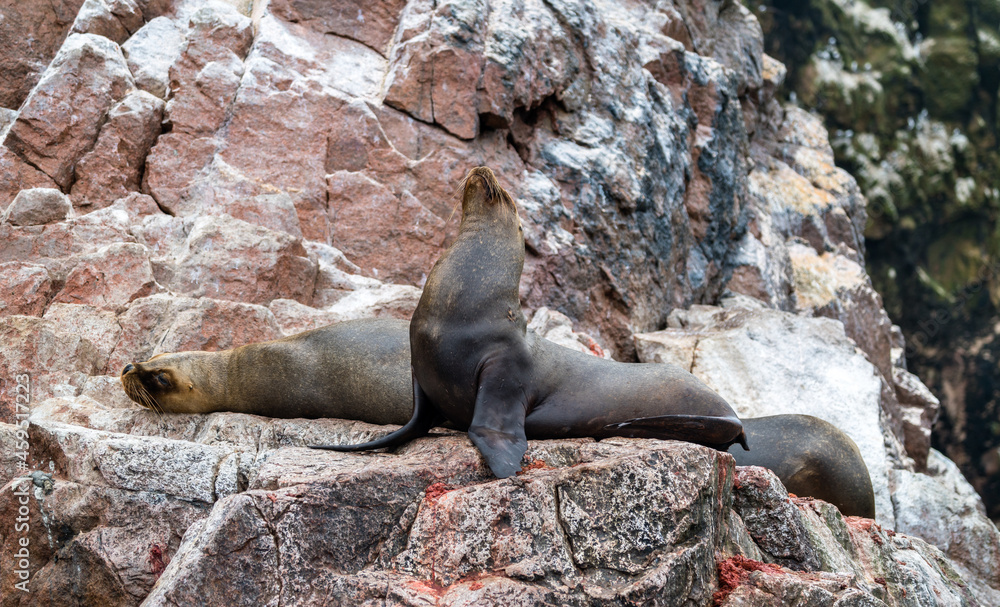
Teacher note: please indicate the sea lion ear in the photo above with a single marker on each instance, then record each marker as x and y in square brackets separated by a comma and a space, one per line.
[190, 386]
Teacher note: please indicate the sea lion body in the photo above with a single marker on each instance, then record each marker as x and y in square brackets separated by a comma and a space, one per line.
[361, 370]
[352, 370]
[475, 365]
[812, 458]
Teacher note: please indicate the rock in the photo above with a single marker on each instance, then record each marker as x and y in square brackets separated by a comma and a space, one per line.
[25, 288]
[38, 206]
[151, 51]
[837, 287]
[16, 174]
[124, 541]
[171, 165]
[57, 246]
[113, 168]
[919, 412]
[368, 300]
[453, 521]
[558, 328]
[30, 35]
[60, 119]
[98, 326]
[269, 265]
[754, 360]
[164, 323]
[363, 210]
[110, 278]
[774, 523]
[370, 24]
[207, 73]
[943, 509]
[56, 362]
[113, 19]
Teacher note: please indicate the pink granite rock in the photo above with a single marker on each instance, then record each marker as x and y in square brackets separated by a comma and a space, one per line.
[391, 236]
[165, 323]
[55, 361]
[110, 278]
[59, 121]
[25, 288]
[114, 166]
[225, 258]
[113, 19]
[16, 174]
[30, 35]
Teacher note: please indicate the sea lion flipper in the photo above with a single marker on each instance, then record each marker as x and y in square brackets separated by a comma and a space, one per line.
[425, 417]
[717, 432]
[497, 427]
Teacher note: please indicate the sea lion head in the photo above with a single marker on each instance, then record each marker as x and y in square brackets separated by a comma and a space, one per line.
[483, 197]
[179, 382]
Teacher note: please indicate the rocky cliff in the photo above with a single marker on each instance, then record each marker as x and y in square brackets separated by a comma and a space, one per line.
[199, 175]
[910, 93]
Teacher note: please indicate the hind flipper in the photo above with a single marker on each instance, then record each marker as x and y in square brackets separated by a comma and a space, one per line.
[497, 427]
[712, 431]
[425, 417]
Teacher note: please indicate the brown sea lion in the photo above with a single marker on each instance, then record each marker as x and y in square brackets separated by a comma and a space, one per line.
[368, 363]
[354, 370]
[475, 365]
[812, 458]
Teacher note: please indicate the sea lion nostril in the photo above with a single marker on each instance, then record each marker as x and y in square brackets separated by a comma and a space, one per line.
[128, 368]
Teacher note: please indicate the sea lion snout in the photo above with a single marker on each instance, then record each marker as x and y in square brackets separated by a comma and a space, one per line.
[128, 368]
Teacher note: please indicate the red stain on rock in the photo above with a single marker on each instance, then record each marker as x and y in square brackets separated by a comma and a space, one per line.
[434, 492]
[156, 561]
[533, 464]
[734, 571]
[595, 348]
[427, 587]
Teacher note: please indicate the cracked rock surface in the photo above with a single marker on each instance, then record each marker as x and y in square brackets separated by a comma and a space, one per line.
[198, 175]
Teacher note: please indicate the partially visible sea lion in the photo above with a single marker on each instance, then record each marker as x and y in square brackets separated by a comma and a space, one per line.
[353, 370]
[475, 365]
[812, 458]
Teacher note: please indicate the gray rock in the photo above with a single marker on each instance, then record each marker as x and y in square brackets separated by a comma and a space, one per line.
[755, 360]
[942, 508]
[38, 206]
[151, 51]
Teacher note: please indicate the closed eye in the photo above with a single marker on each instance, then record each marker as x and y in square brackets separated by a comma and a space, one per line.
[163, 380]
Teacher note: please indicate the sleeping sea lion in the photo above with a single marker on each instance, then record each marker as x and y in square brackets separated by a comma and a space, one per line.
[354, 370]
[812, 458]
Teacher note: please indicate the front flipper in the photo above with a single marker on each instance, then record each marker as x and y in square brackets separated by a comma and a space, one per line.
[497, 427]
[711, 431]
[425, 417]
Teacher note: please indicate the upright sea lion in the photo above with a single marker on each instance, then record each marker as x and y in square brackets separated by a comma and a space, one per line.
[475, 365]
[812, 458]
[354, 370]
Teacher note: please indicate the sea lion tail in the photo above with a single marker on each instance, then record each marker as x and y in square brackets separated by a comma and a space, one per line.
[424, 418]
